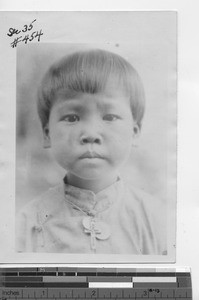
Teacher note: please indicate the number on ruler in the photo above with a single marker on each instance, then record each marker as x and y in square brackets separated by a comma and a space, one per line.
[93, 294]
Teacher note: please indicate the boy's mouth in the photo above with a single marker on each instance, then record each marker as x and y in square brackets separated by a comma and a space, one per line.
[91, 154]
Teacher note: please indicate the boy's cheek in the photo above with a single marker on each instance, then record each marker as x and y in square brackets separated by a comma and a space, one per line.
[124, 136]
[61, 158]
[58, 136]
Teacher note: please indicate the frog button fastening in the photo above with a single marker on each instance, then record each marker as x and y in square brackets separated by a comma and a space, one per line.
[97, 229]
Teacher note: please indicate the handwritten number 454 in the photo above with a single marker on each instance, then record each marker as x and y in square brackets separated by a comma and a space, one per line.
[32, 37]
[26, 28]
[27, 38]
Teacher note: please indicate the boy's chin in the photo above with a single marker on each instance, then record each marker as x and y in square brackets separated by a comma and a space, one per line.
[94, 175]
[90, 177]
[94, 181]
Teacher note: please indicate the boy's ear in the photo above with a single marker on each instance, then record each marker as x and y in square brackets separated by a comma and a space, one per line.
[136, 130]
[46, 137]
[136, 134]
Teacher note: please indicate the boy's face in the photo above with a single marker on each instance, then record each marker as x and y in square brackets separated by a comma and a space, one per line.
[91, 135]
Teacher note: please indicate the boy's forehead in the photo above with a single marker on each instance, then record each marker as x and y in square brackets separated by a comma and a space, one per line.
[111, 88]
[90, 102]
[111, 91]
[106, 97]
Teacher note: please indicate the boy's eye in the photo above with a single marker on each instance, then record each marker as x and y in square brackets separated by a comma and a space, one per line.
[110, 117]
[71, 118]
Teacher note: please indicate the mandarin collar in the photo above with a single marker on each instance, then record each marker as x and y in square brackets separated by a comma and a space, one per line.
[89, 202]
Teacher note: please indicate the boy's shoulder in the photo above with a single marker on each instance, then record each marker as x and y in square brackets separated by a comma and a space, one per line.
[152, 207]
[143, 203]
[149, 210]
[48, 201]
[142, 197]
[139, 193]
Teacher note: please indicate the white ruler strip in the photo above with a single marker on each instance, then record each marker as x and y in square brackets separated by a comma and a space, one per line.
[154, 279]
[110, 284]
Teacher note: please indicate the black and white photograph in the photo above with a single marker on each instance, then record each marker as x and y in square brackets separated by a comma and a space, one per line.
[95, 130]
[99, 149]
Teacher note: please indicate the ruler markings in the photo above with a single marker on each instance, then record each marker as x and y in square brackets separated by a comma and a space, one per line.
[95, 283]
[108, 293]
[172, 285]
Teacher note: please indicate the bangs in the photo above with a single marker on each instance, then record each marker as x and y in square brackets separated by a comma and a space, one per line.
[87, 72]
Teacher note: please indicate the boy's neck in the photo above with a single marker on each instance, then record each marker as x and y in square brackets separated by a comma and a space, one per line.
[93, 185]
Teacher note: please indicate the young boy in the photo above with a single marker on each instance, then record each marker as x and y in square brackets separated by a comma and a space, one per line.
[91, 106]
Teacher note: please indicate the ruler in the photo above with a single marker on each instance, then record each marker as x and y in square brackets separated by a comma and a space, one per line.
[95, 283]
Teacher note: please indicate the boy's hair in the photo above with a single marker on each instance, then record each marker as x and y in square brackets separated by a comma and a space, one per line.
[89, 72]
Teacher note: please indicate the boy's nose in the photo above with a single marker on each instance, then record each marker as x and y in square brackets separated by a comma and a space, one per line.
[91, 132]
[90, 139]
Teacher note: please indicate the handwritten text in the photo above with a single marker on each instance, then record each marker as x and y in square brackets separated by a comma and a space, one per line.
[24, 35]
